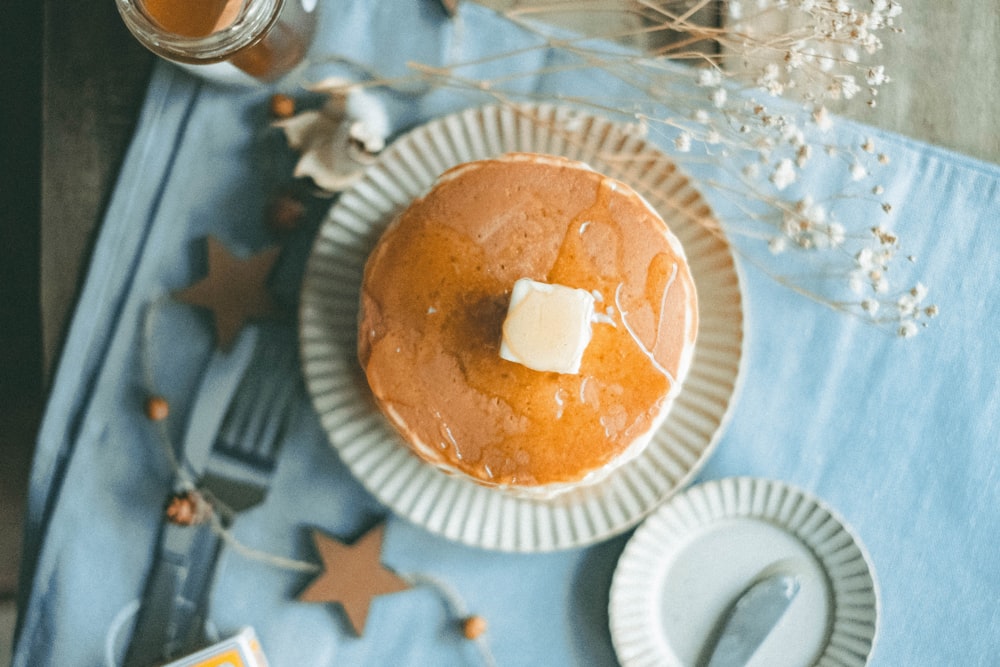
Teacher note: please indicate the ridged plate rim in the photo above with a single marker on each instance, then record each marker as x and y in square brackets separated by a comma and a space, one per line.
[454, 507]
[840, 553]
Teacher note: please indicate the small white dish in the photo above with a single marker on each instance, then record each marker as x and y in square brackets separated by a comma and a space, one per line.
[454, 507]
[690, 559]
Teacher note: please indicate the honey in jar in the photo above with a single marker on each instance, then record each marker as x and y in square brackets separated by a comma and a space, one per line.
[263, 38]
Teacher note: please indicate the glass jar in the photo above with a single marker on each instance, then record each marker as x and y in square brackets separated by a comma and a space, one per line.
[263, 38]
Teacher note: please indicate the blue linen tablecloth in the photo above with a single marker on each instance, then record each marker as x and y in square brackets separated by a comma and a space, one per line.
[901, 438]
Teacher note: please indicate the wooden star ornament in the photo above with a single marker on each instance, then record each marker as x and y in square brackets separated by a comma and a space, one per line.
[235, 290]
[353, 575]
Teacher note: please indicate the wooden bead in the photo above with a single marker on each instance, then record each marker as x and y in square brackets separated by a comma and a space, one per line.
[473, 627]
[285, 214]
[157, 408]
[282, 106]
[181, 511]
[187, 509]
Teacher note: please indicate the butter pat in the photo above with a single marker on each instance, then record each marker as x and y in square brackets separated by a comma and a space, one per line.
[547, 326]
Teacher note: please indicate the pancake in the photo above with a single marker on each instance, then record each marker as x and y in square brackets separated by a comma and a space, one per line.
[435, 294]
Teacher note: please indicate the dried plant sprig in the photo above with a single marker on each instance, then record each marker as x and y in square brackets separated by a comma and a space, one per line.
[743, 93]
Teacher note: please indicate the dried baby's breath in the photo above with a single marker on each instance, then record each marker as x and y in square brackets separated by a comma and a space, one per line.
[744, 95]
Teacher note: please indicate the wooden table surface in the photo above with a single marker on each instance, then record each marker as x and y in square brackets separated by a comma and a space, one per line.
[73, 82]
[95, 77]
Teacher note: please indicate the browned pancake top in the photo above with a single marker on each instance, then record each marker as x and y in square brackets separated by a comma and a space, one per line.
[436, 290]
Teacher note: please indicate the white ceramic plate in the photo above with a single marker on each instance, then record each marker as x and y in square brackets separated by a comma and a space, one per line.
[454, 507]
[690, 559]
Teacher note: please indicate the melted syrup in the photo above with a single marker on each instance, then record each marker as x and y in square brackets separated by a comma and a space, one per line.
[496, 419]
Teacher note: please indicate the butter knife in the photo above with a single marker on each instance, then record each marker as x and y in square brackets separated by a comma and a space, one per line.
[170, 620]
[749, 620]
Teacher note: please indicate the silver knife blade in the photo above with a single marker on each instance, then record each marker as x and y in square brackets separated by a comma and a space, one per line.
[749, 620]
[171, 619]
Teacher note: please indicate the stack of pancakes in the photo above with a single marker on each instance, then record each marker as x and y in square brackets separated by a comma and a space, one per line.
[435, 294]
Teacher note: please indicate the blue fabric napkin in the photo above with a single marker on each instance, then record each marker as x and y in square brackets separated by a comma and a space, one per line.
[899, 437]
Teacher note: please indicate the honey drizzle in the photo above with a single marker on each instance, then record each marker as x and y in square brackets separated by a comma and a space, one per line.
[613, 399]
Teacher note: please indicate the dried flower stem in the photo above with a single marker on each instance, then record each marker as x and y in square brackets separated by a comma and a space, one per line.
[751, 102]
